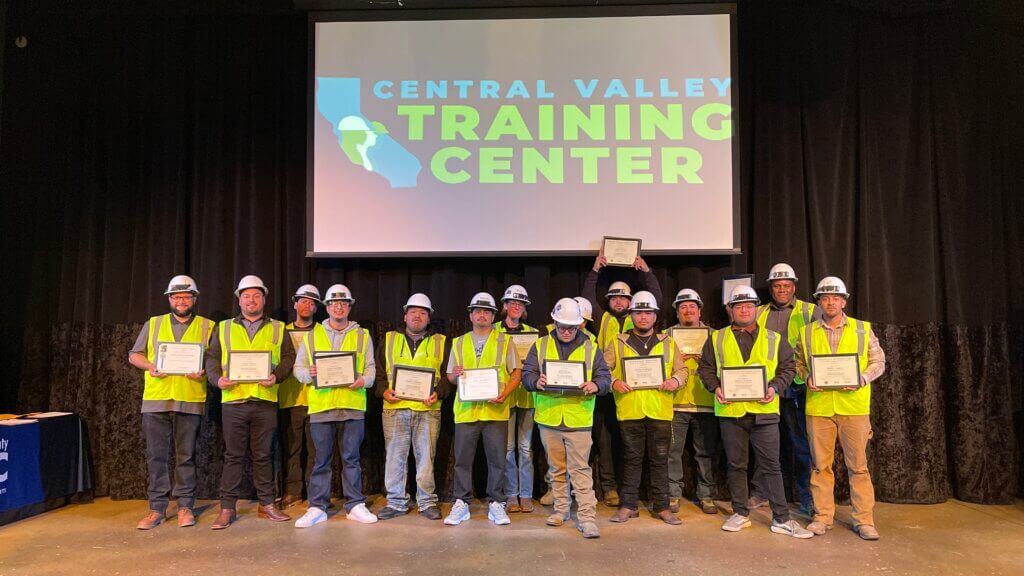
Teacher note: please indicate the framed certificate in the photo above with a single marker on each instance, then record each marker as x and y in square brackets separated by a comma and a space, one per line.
[249, 366]
[744, 383]
[412, 382]
[834, 371]
[479, 384]
[334, 369]
[731, 282]
[523, 343]
[179, 358]
[690, 340]
[640, 372]
[620, 251]
[564, 374]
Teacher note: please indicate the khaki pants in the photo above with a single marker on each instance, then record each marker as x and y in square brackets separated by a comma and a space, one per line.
[853, 433]
[570, 452]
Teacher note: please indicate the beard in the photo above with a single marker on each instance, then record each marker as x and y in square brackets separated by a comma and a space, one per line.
[187, 313]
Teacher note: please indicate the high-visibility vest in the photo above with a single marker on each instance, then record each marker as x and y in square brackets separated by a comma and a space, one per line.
[342, 397]
[802, 315]
[575, 410]
[494, 354]
[693, 393]
[521, 398]
[647, 402]
[610, 328]
[429, 354]
[234, 338]
[853, 341]
[175, 387]
[765, 352]
[291, 392]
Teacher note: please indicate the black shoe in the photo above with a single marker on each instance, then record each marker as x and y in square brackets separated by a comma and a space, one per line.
[431, 513]
[387, 513]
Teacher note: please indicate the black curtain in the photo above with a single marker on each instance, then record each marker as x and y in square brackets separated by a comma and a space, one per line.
[878, 146]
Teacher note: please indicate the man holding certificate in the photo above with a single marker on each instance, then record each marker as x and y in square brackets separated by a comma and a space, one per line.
[839, 357]
[646, 370]
[485, 366]
[335, 361]
[169, 349]
[693, 406]
[250, 355]
[412, 408]
[566, 370]
[747, 367]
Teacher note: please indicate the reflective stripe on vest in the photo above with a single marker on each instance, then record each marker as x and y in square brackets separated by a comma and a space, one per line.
[572, 410]
[344, 397]
[175, 387]
[645, 403]
[250, 390]
[764, 352]
[395, 339]
[497, 344]
[831, 402]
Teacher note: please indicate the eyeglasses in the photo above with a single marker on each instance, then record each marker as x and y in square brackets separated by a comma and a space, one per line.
[567, 329]
[182, 298]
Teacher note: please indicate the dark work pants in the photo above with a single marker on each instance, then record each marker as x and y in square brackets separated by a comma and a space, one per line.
[248, 425]
[467, 435]
[704, 427]
[293, 429]
[651, 437]
[604, 423]
[349, 434]
[794, 443]
[740, 434]
[158, 428]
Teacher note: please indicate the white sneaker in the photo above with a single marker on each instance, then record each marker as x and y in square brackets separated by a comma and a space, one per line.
[735, 523]
[458, 514]
[361, 514]
[496, 513]
[791, 528]
[312, 517]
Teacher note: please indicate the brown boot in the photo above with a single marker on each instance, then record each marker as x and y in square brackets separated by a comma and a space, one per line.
[287, 501]
[623, 514]
[668, 517]
[186, 518]
[271, 512]
[152, 520]
[526, 505]
[224, 519]
[512, 505]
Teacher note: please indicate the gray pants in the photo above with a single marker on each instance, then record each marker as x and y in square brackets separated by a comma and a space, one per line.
[159, 428]
[704, 426]
[569, 454]
[495, 435]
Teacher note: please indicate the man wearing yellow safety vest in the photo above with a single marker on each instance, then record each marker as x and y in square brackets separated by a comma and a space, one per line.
[565, 418]
[750, 423]
[612, 319]
[172, 405]
[787, 315]
[293, 418]
[519, 475]
[249, 411]
[412, 423]
[337, 412]
[645, 415]
[694, 411]
[483, 347]
[842, 414]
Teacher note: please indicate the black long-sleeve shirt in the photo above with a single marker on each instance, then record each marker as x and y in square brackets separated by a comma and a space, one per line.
[707, 367]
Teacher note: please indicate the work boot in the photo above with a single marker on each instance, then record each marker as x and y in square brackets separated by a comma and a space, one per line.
[624, 514]
[512, 505]
[224, 519]
[548, 498]
[611, 498]
[186, 518]
[669, 518]
[867, 532]
[556, 519]
[818, 527]
[589, 530]
[152, 520]
[708, 507]
[271, 512]
[526, 505]
[673, 504]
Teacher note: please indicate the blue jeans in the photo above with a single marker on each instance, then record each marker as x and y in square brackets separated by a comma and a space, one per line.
[350, 433]
[403, 429]
[521, 442]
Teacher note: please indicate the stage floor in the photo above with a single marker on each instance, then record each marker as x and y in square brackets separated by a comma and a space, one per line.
[100, 538]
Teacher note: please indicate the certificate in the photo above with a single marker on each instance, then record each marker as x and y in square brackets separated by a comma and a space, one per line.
[478, 384]
[832, 371]
[412, 383]
[744, 383]
[334, 369]
[641, 372]
[249, 366]
[297, 336]
[620, 251]
[689, 340]
[564, 374]
[179, 358]
[731, 282]
[523, 343]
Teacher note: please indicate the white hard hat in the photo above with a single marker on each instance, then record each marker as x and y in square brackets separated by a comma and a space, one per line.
[831, 285]
[619, 288]
[687, 295]
[339, 292]
[182, 283]
[743, 294]
[307, 291]
[643, 301]
[567, 312]
[516, 292]
[482, 300]
[250, 281]
[418, 300]
[781, 271]
[586, 309]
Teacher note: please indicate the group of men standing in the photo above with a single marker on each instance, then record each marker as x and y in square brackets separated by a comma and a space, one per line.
[652, 423]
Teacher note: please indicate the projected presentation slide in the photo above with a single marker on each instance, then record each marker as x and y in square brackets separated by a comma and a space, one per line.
[522, 136]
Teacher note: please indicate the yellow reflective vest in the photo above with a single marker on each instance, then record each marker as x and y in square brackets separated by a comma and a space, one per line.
[648, 402]
[802, 315]
[521, 398]
[494, 355]
[291, 392]
[610, 328]
[343, 397]
[853, 341]
[180, 388]
[693, 393]
[575, 410]
[765, 352]
[234, 338]
[429, 354]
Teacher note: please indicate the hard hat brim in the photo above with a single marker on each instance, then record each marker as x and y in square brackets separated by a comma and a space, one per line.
[523, 300]
[678, 302]
[742, 300]
[818, 295]
[482, 307]
[407, 306]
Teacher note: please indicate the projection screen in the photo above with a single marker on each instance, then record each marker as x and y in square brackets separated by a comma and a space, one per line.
[459, 135]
